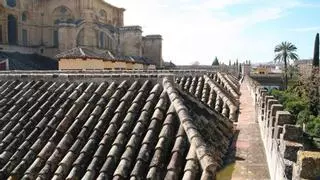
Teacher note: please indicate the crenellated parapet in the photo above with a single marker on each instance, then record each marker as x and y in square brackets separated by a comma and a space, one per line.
[287, 154]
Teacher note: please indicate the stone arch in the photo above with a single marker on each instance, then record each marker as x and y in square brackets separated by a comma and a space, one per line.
[273, 88]
[62, 14]
[266, 88]
[11, 3]
[102, 13]
[80, 38]
[105, 40]
[12, 29]
[85, 31]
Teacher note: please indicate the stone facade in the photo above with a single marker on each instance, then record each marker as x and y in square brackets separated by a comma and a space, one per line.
[50, 27]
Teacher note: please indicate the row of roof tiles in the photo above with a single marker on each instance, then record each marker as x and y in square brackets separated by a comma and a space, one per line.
[119, 130]
[81, 52]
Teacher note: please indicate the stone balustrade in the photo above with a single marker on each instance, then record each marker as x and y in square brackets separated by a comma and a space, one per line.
[283, 140]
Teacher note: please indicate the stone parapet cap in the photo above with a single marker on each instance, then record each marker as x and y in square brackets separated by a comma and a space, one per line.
[131, 28]
[153, 36]
[308, 165]
[289, 149]
[284, 117]
[292, 133]
[275, 108]
[271, 101]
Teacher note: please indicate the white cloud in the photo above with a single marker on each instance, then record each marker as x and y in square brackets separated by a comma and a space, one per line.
[200, 30]
[306, 29]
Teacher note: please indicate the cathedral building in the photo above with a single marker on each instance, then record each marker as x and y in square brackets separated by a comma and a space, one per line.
[51, 27]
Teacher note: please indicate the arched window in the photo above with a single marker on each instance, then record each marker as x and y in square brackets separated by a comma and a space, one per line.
[11, 3]
[102, 44]
[24, 16]
[102, 13]
[12, 29]
[0, 33]
[24, 37]
[105, 42]
[55, 38]
[62, 14]
[59, 15]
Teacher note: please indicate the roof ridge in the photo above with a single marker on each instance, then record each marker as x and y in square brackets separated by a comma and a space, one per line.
[206, 159]
[233, 92]
[212, 111]
[233, 107]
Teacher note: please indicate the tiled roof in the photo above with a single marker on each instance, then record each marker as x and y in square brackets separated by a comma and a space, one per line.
[18, 61]
[80, 52]
[120, 129]
[169, 64]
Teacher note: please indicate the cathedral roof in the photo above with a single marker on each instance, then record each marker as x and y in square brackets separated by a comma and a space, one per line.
[116, 127]
[19, 61]
[80, 52]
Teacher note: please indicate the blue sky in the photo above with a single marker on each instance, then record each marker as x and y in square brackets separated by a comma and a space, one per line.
[199, 30]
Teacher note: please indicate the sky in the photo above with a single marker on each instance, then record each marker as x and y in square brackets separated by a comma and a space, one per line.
[200, 30]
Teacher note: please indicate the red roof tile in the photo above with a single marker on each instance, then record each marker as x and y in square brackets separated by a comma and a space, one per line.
[122, 129]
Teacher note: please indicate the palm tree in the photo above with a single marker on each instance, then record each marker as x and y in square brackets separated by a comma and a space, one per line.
[284, 52]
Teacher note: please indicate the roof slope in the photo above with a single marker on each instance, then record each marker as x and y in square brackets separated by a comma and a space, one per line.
[80, 52]
[18, 61]
[102, 130]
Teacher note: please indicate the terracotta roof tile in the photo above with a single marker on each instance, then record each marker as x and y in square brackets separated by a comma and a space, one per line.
[131, 129]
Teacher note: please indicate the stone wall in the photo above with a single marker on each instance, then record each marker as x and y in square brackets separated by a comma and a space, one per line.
[152, 49]
[283, 140]
[95, 24]
[131, 40]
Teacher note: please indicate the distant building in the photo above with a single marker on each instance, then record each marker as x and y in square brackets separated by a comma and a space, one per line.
[51, 27]
[86, 59]
[304, 67]
[266, 69]
[169, 65]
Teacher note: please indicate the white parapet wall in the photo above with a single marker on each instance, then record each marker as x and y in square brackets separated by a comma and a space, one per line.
[282, 139]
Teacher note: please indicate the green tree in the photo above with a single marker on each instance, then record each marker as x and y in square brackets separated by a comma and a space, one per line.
[316, 52]
[284, 52]
[314, 85]
[215, 62]
[293, 71]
